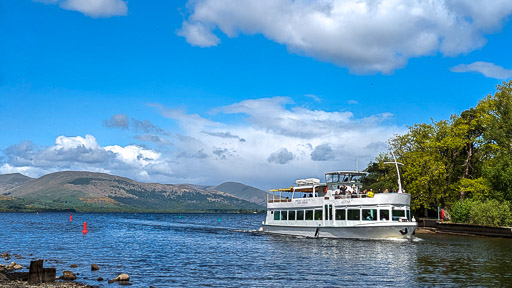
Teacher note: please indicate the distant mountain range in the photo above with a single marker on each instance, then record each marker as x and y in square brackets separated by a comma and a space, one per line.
[99, 192]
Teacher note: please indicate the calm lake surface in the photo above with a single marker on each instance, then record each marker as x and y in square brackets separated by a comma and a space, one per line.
[198, 250]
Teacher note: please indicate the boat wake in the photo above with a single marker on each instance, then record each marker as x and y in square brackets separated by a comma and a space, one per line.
[191, 226]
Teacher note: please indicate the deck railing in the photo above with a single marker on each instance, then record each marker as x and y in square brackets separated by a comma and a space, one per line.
[276, 199]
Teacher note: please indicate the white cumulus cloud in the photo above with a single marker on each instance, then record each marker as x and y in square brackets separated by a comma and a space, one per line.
[84, 153]
[365, 35]
[134, 155]
[68, 143]
[93, 8]
[489, 70]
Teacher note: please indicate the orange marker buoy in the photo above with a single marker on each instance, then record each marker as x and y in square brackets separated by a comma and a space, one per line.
[85, 228]
[70, 217]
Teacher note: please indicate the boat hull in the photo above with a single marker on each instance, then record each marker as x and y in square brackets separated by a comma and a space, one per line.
[398, 231]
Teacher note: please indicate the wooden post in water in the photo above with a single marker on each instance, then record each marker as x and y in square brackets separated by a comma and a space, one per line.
[35, 274]
[49, 275]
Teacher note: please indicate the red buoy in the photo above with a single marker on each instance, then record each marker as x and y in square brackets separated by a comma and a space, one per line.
[85, 228]
[70, 217]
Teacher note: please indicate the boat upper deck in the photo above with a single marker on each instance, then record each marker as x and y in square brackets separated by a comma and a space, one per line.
[340, 187]
[400, 199]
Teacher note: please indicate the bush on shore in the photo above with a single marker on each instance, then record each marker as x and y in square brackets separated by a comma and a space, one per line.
[459, 212]
[489, 212]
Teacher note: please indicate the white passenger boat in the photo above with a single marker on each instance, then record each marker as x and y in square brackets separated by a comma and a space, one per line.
[338, 209]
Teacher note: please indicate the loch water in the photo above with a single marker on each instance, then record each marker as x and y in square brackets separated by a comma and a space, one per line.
[226, 250]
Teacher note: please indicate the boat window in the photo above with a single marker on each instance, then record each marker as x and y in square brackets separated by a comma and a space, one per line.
[341, 214]
[300, 215]
[384, 215]
[284, 215]
[328, 178]
[370, 214]
[409, 214]
[318, 214]
[291, 215]
[309, 214]
[277, 215]
[354, 214]
[328, 212]
[398, 213]
[335, 178]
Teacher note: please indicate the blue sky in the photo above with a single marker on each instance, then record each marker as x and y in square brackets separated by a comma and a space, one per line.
[260, 92]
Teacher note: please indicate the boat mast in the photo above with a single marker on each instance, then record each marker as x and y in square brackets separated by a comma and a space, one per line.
[397, 171]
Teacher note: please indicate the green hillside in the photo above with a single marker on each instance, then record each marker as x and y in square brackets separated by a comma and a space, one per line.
[99, 192]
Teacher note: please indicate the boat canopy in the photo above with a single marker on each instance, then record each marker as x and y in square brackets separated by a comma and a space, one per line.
[308, 181]
[344, 176]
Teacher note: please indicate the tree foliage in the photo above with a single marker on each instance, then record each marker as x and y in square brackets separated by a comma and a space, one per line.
[459, 211]
[468, 156]
[490, 212]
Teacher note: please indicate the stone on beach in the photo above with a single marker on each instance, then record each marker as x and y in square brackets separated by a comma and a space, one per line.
[17, 267]
[6, 256]
[122, 277]
[68, 275]
[94, 267]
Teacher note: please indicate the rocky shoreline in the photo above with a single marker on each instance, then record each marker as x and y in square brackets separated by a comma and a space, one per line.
[16, 275]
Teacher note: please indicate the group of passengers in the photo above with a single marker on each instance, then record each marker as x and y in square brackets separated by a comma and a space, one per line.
[348, 192]
[352, 192]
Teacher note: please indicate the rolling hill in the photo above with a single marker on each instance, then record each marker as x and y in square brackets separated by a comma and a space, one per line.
[90, 191]
[243, 191]
[11, 181]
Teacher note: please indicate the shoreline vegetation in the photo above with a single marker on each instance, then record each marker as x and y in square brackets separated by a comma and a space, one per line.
[240, 211]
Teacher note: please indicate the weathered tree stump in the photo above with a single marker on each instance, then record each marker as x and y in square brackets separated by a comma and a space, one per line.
[35, 274]
[49, 275]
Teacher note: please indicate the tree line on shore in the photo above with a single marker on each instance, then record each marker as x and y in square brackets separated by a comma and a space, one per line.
[463, 164]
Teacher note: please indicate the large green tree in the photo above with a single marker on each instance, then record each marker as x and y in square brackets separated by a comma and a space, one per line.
[469, 155]
[498, 134]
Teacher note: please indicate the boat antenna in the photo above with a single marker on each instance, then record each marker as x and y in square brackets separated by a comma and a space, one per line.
[397, 171]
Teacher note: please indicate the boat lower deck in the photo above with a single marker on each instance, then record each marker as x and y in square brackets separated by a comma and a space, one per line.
[396, 231]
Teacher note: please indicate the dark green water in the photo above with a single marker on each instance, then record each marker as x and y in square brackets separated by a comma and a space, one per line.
[198, 250]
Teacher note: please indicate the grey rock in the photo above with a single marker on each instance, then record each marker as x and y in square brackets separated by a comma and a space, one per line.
[122, 277]
[68, 275]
